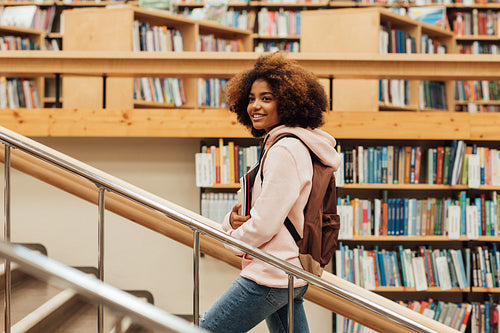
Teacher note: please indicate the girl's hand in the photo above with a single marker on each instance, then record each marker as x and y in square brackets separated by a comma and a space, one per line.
[235, 219]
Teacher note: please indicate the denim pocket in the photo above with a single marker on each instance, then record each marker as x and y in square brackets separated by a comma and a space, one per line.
[278, 297]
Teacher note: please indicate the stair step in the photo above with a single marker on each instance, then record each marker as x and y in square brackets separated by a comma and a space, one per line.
[27, 295]
[38, 307]
[48, 312]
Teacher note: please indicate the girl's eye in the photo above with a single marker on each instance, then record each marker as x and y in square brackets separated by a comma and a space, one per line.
[251, 99]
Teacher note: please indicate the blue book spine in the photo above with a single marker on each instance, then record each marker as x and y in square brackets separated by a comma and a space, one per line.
[351, 266]
[382, 269]
[402, 220]
[477, 203]
[342, 257]
[412, 164]
[371, 165]
[384, 164]
[402, 261]
[463, 213]
[397, 276]
[487, 316]
[377, 264]
[495, 258]
[462, 268]
[378, 164]
[452, 158]
[414, 217]
[405, 223]
[390, 217]
[241, 170]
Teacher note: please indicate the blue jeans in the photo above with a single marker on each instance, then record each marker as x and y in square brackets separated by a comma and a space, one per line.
[246, 303]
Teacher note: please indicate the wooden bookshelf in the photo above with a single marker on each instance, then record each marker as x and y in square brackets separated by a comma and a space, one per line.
[110, 29]
[367, 22]
[32, 35]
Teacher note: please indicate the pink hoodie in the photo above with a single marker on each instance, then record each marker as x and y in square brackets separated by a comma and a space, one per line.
[284, 192]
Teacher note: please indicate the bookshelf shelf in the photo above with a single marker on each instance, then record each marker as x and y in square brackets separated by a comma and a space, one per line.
[389, 107]
[261, 37]
[472, 38]
[485, 290]
[291, 5]
[430, 238]
[414, 290]
[474, 5]
[26, 3]
[224, 186]
[479, 102]
[424, 187]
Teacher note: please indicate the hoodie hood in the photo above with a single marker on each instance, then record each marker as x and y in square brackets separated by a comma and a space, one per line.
[321, 143]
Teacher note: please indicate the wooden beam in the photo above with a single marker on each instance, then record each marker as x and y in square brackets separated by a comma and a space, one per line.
[216, 123]
[216, 64]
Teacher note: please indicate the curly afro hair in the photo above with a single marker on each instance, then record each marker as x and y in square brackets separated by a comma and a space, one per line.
[301, 99]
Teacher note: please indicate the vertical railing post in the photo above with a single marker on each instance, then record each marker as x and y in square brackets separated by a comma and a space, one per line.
[290, 303]
[100, 265]
[7, 276]
[58, 90]
[196, 277]
[104, 88]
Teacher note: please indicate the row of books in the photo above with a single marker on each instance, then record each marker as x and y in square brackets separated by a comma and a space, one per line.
[244, 19]
[396, 41]
[18, 93]
[31, 17]
[454, 315]
[210, 43]
[420, 268]
[216, 205]
[210, 92]
[433, 95]
[153, 38]
[477, 47]
[477, 90]
[475, 107]
[431, 46]
[18, 43]
[394, 92]
[484, 317]
[52, 44]
[160, 90]
[382, 164]
[289, 46]
[224, 163]
[450, 164]
[477, 23]
[486, 266]
[279, 23]
[471, 217]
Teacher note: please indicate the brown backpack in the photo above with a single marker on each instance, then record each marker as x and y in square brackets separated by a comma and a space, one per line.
[321, 221]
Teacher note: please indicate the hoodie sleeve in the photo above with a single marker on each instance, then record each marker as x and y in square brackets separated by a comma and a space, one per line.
[281, 188]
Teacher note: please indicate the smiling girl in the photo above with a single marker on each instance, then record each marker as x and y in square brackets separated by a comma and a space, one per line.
[275, 97]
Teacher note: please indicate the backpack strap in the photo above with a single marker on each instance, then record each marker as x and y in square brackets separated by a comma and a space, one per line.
[288, 224]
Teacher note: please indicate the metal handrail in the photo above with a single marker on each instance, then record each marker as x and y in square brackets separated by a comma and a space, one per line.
[139, 311]
[11, 139]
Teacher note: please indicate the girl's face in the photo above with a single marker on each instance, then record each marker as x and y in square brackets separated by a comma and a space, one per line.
[262, 106]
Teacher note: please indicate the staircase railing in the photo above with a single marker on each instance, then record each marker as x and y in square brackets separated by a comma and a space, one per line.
[125, 304]
[29, 156]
